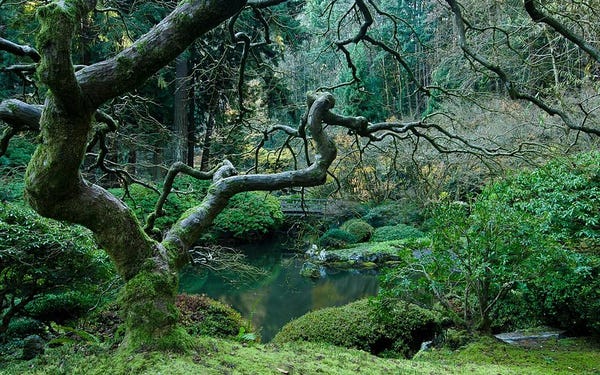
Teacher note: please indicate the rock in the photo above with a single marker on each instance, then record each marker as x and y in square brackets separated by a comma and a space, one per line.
[426, 345]
[312, 251]
[327, 257]
[521, 336]
[369, 265]
[311, 270]
[356, 258]
[33, 346]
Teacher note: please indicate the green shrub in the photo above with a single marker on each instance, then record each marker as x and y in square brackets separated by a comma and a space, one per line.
[20, 151]
[564, 195]
[249, 216]
[12, 168]
[201, 315]
[396, 232]
[523, 253]
[392, 213]
[61, 307]
[24, 326]
[46, 264]
[362, 325]
[359, 228]
[455, 339]
[337, 238]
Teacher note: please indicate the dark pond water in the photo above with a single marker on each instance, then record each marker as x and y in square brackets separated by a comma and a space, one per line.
[272, 299]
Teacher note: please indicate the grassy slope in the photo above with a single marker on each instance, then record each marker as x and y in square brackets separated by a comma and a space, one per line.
[226, 357]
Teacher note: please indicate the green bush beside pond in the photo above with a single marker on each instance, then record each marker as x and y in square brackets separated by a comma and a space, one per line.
[361, 325]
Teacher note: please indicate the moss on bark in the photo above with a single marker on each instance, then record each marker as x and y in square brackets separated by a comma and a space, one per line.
[151, 317]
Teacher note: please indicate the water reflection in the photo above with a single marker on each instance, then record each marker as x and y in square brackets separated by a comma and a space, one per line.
[281, 294]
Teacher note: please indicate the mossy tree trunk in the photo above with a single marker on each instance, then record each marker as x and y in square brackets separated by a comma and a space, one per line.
[56, 189]
[54, 185]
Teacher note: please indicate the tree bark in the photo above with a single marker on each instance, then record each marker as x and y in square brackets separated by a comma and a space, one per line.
[180, 110]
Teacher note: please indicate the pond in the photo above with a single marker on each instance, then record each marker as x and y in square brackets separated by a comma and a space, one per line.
[279, 294]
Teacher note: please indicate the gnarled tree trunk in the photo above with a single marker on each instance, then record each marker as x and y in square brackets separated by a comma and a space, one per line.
[56, 189]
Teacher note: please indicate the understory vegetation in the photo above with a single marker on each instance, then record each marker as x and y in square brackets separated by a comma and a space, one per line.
[218, 356]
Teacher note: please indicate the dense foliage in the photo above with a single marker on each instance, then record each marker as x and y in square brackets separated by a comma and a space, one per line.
[249, 216]
[396, 232]
[503, 261]
[49, 271]
[359, 228]
[201, 315]
[337, 238]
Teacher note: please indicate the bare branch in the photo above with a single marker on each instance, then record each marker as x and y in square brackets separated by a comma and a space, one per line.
[20, 115]
[511, 86]
[175, 169]
[163, 43]
[538, 15]
[225, 185]
[19, 50]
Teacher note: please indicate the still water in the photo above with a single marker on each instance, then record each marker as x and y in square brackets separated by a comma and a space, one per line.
[279, 294]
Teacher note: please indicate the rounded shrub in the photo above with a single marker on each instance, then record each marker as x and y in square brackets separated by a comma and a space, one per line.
[396, 232]
[359, 228]
[201, 315]
[61, 307]
[359, 325]
[249, 216]
[337, 238]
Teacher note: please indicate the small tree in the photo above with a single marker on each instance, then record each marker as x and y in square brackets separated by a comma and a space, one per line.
[480, 253]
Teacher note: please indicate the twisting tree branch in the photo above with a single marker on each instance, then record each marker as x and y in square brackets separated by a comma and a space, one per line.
[176, 169]
[19, 50]
[226, 183]
[510, 85]
[538, 15]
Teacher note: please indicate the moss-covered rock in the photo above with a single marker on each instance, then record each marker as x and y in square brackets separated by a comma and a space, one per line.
[310, 270]
[359, 325]
[369, 255]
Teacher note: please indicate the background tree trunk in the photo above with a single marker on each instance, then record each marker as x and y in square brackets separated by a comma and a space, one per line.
[180, 110]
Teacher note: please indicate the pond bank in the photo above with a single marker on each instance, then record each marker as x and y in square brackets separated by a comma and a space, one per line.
[280, 293]
[369, 255]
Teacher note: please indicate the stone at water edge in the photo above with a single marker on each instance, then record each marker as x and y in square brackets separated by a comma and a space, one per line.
[518, 336]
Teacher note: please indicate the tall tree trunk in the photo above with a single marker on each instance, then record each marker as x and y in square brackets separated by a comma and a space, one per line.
[54, 185]
[191, 135]
[205, 159]
[180, 110]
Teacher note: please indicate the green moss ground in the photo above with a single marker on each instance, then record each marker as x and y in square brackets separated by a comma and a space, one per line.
[217, 356]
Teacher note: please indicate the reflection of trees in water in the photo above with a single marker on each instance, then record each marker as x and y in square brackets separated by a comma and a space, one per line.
[272, 300]
[326, 294]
